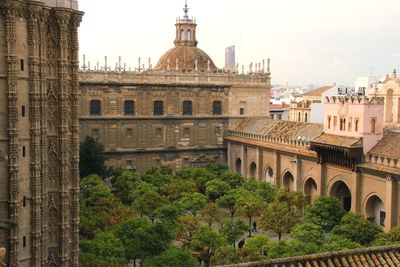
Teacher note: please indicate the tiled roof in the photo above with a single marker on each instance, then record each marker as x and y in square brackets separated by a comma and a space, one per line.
[365, 257]
[317, 92]
[339, 141]
[388, 147]
[278, 106]
[280, 129]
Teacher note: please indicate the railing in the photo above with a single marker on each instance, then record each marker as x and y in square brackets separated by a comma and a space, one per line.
[265, 138]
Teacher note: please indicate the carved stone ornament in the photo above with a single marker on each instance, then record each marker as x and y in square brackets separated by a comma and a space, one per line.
[3, 156]
[2, 255]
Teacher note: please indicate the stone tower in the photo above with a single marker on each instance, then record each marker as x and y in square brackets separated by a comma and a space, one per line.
[39, 139]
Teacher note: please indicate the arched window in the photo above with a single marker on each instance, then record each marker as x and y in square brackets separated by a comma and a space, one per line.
[129, 107]
[189, 35]
[182, 35]
[356, 125]
[299, 117]
[329, 122]
[95, 108]
[373, 125]
[187, 107]
[158, 107]
[217, 108]
[306, 117]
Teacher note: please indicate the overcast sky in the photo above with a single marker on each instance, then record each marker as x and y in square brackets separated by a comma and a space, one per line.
[308, 41]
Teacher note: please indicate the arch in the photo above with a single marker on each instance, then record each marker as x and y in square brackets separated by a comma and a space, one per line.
[189, 35]
[252, 169]
[375, 210]
[310, 190]
[306, 117]
[182, 35]
[288, 181]
[341, 191]
[269, 174]
[373, 125]
[389, 106]
[238, 165]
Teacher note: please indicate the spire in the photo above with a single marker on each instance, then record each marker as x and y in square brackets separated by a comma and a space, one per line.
[186, 10]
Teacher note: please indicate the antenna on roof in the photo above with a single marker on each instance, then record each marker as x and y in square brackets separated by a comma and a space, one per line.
[186, 10]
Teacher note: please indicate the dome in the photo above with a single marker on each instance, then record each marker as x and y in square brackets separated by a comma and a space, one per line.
[186, 56]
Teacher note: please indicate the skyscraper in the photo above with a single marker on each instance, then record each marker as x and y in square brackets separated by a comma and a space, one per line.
[230, 57]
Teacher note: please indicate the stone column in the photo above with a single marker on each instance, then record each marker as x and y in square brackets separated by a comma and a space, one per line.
[244, 160]
[229, 160]
[260, 165]
[11, 13]
[276, 169]
[389, 207]
[355, 192]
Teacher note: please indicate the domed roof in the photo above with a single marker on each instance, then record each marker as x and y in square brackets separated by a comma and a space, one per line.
[186, 56]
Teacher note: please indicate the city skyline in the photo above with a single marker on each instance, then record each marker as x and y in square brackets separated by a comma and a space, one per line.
[308, 42]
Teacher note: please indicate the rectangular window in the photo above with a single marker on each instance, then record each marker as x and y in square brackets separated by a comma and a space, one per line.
[356, 125]
[24, 202]
[159, 132]
[23, 151]
[187, 108]
[186, 132]
[24, 241]
[217, 131]
[217, 108]
[22, 65]
[129, 108]
[23, 111]
[241, 111]
[329, 122]
[158, 108]
[95, 108]
[129, 133]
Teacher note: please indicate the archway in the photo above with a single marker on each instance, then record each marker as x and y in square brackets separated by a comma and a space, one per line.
[389, 106]
[253, 169]
[375, 210]
[288, 181]
[238, 165]
[269, 175]
[342, 192]
[310, 190]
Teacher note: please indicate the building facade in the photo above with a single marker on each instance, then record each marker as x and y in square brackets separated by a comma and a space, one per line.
[175, 113]
[351, 159]
[39, 134]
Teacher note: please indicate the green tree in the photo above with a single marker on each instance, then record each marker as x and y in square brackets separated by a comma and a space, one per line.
[228, 201]
[336, 242]
[209, 213]
[225, 255]
[201, 176]
[158, 176]
[258, 244]
[168, 214]
[262, 189]
[105, 247]
[148, 203]
[193, 202]
[217, 168]
[187, 226]
[172, 257]
[175, 189]
[325, 211]
[216, 189]
[233, 178]
[233, 230]
[91, 157]
[294, 200]
[356, 228]
[284, 249]
[124, 184]
[279, 217]
[143, 239]
[391, 237]
[249, 205]
[206, 241]
[308, 233]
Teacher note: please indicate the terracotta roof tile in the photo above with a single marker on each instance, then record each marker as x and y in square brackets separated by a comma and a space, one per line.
[362, 257]
[317, 92]
[388, 147]
[337, 140]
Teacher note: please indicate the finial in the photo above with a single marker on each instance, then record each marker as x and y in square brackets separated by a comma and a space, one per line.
[394, 73]
[186, 10]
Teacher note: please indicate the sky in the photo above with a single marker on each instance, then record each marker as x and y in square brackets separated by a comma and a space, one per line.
[308, 41]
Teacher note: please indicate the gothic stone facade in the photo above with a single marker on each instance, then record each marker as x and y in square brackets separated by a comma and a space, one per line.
[39, 135]
[172, 117]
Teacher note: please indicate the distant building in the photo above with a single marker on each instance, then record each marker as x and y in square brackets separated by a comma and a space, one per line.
[364, 83]
[230, 57]
[279, 111]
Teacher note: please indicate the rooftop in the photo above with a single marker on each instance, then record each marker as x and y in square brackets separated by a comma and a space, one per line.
[366, 257]
[339, 141]
[318, 91]
[388, 147]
